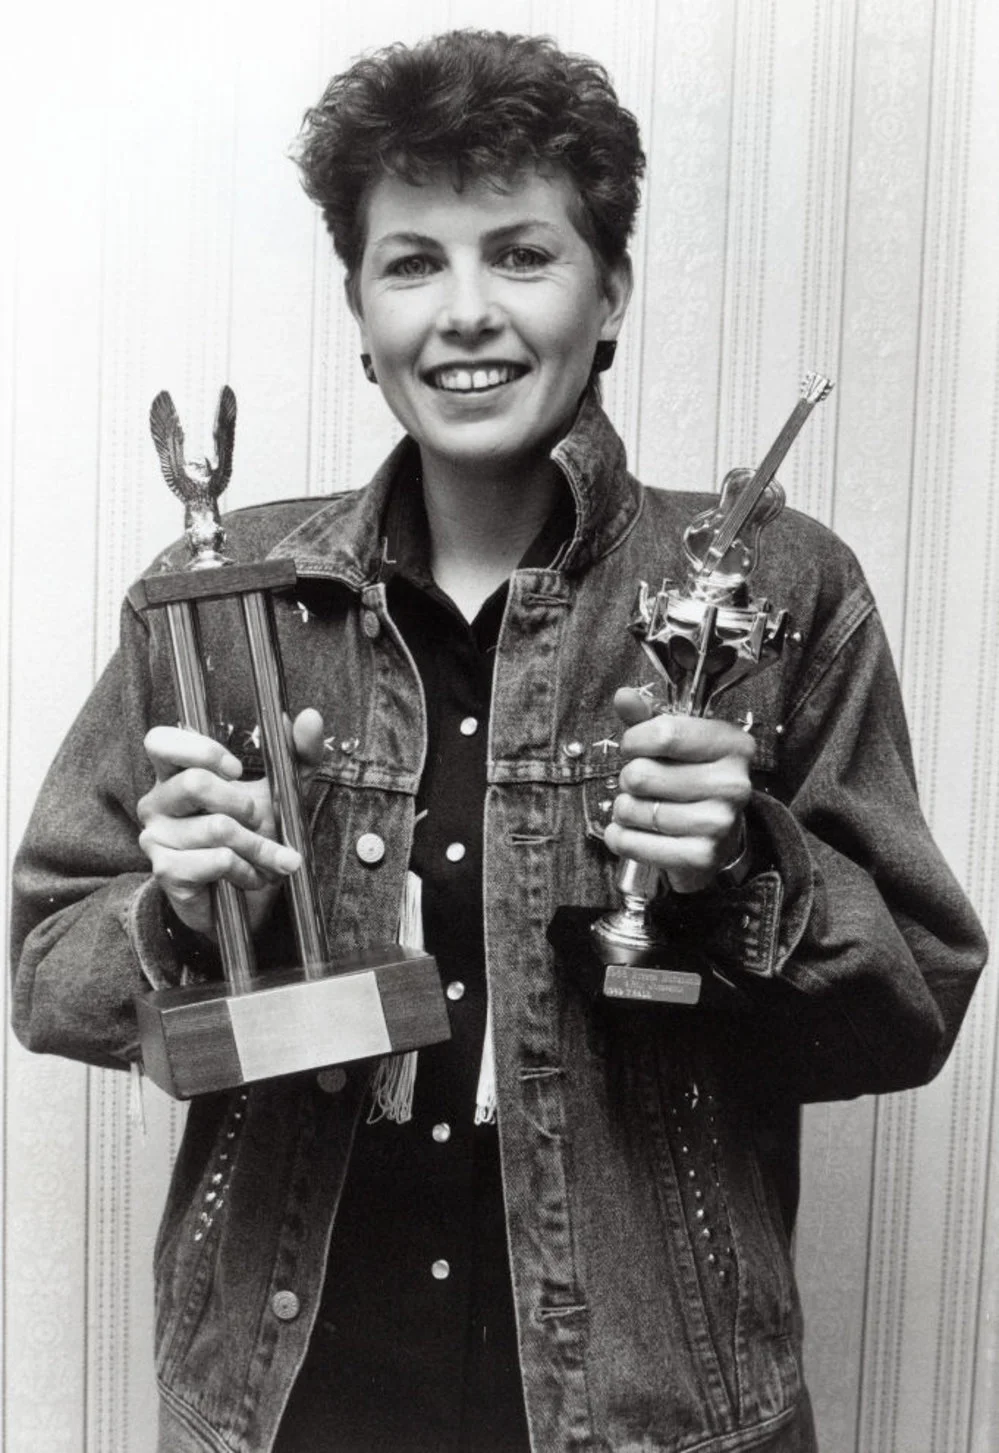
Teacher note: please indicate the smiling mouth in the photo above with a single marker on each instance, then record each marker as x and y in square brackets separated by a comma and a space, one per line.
[454, 379]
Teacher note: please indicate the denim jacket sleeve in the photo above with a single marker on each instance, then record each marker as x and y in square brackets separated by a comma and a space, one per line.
[857, 948]
[88, 925]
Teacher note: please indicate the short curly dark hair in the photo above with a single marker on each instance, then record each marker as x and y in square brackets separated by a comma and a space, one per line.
[480, 106]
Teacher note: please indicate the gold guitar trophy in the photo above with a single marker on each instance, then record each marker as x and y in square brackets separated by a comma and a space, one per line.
[315, 1012]
[702, 637]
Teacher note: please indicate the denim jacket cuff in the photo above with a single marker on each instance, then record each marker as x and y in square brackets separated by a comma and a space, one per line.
[785, 847]
[168, 953]
[754, 927]
[737, 929]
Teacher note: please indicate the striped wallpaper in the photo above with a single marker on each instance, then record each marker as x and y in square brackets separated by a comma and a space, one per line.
[823, 192]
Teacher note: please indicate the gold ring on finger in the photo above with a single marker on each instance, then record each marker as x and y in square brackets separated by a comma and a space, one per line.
[655, 817]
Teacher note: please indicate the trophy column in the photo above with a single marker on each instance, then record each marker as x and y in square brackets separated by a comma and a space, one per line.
[317, 1011]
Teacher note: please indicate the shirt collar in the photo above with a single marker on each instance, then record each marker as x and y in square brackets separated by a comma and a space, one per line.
[345, 540]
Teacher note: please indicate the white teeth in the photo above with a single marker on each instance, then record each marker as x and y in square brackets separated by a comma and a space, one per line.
[464, 380]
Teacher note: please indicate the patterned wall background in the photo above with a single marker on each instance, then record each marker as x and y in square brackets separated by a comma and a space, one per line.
[823, 191]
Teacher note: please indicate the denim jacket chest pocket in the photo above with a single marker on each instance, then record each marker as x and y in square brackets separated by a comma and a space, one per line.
[360, 801]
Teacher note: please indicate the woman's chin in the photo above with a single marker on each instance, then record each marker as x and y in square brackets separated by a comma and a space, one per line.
[488, 438]
[478, 450]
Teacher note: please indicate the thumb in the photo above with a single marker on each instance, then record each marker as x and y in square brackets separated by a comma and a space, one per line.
[307, 735]
[632, 707]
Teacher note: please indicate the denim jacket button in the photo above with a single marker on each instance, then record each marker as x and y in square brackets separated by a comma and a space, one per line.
[332, 1080]
[370, 624]
[285, 1306]
[370, 848]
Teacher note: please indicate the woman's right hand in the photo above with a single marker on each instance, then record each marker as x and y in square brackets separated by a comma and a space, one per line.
[201, 824]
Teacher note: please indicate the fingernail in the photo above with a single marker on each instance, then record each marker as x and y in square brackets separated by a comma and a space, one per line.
[230, 766]
[287, 859]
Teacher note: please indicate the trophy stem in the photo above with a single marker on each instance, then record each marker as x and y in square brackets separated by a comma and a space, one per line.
[627, 935]
[229, 907]
[282, 774]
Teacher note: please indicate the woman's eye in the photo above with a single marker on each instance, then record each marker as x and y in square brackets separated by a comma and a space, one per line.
[416, 265]
[523, 259]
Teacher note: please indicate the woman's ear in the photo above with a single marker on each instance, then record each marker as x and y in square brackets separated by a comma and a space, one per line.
[618, 282]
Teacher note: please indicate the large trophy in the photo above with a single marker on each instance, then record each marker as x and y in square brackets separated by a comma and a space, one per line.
[315, 1012]
[703, 637]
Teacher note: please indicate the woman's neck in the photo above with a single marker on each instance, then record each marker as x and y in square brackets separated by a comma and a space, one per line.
[481, 524]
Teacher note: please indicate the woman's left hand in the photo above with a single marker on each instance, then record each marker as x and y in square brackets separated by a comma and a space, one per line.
[683, 792]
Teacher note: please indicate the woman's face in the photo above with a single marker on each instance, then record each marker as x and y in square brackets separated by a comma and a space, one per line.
[481, 310]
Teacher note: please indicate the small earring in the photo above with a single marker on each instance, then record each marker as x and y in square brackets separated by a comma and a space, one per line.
[603, 355]
[369, 368]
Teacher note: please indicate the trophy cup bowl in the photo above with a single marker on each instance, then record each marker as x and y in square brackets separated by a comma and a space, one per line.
[318, 1011]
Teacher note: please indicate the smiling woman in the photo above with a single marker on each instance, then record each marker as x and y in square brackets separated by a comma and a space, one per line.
[481, 311]
[569, 1226]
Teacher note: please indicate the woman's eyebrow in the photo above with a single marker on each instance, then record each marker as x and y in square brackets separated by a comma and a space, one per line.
[524, 224]
[405, 239]
[494, 235]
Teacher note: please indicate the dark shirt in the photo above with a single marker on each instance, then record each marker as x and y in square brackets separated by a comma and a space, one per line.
[415, 1346]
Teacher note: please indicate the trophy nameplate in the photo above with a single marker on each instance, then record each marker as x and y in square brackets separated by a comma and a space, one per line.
[319, 1011]
[702, 637]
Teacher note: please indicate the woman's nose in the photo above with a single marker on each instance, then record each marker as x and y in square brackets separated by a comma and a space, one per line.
[469, 309]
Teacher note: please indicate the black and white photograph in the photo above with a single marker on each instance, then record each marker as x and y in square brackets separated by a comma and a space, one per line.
[499, 722]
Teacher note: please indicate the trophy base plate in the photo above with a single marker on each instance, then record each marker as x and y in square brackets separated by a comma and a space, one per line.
[644, 973]
[199, 1040]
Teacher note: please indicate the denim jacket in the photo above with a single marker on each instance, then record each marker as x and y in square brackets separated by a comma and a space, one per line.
[645, 1150]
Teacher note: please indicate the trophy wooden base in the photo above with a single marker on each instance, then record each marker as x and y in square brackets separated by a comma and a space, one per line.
[199, 1040]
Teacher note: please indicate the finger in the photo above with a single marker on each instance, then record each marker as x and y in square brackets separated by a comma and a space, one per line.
[171, 749]
[194, 790]
[713, 818]
[727, 780]
[631, 706]
[669, 854]
[215, 830]
[687, 739]
[307, 735]
[184, 875]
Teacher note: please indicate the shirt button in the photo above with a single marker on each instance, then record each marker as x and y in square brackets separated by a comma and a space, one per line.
[370, 848]
[441, 1270]
[573, 749]
[454, 852]
[332, 1080]
[285, 1306]
[441, 1132]
[455, 990]
[370, 624]
[469, 726]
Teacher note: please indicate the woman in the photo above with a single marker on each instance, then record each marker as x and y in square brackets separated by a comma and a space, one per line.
[572, 1230]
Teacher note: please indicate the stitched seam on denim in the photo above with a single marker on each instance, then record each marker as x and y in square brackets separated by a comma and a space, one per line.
[854, 611]
[192, 1419]
[650, 1091]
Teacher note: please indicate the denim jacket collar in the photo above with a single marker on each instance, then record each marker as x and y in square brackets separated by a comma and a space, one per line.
[343, 540]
